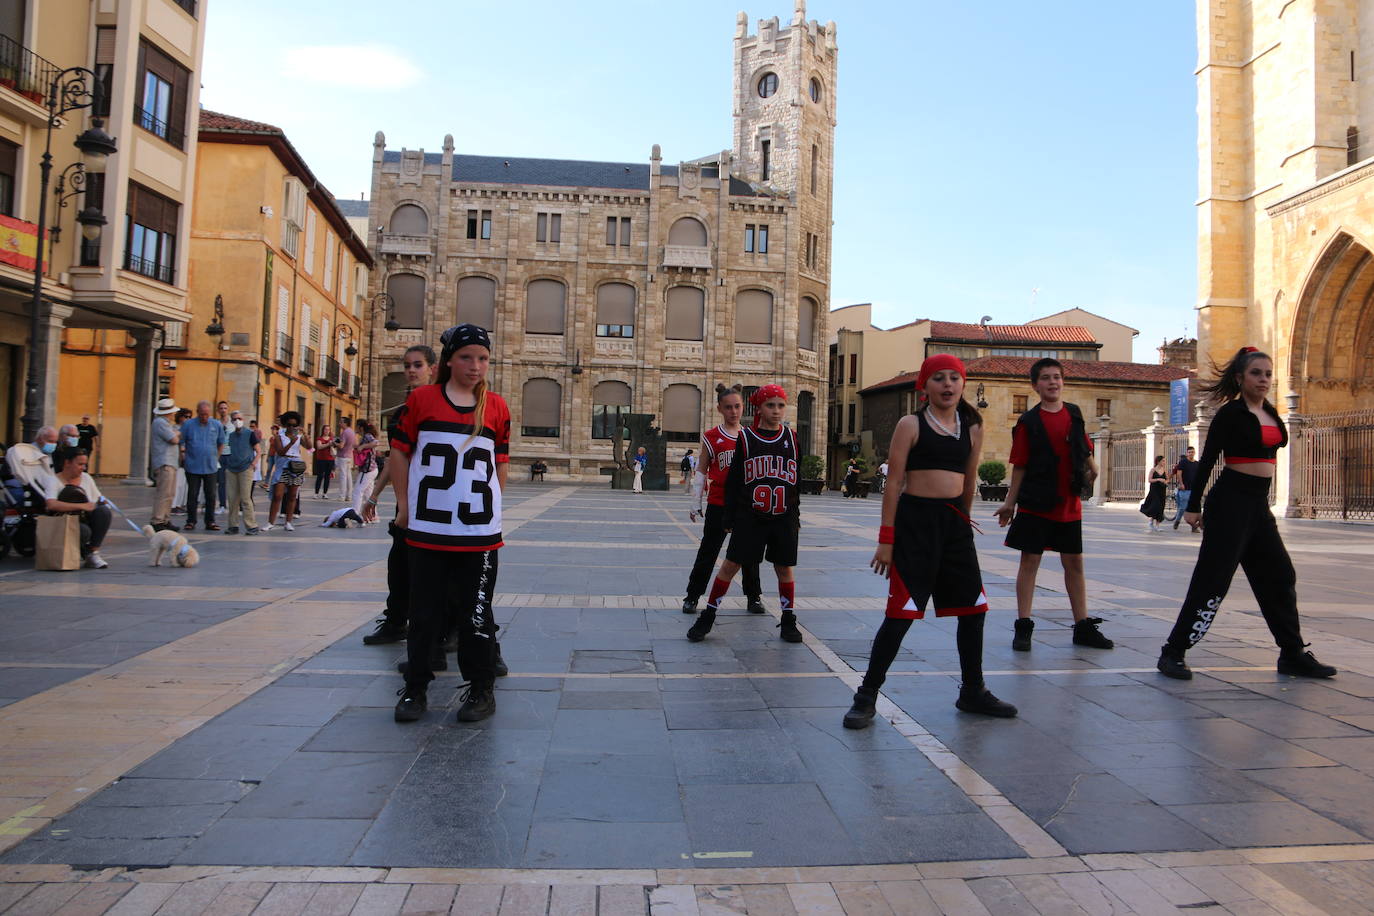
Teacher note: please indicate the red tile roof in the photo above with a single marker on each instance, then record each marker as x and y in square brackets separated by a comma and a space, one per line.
[1074, 369]
[1010, 333]
[214, 120]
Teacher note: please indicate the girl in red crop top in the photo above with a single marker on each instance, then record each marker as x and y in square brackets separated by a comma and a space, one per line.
[1239, 529]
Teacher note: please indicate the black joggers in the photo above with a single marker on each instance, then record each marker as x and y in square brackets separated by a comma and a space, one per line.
[452, 585]
[1239, 530]
[712, 537]
[397, 578]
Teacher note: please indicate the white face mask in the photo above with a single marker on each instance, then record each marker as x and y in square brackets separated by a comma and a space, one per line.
[238, 424]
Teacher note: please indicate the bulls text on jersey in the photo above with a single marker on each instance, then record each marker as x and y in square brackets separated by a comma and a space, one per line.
[772, 466]
[767, 470]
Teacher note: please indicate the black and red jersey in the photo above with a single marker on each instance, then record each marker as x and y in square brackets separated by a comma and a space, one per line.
[455, 500]
[719, 448]
[763, 475]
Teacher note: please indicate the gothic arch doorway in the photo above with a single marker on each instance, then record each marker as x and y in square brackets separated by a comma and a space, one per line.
[1332, 356]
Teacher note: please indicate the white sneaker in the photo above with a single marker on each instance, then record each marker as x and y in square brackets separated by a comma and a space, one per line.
[95, 561]
[289, 527]
[269, 527]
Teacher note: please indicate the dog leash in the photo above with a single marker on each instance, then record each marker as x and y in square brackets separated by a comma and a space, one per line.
[106, 501]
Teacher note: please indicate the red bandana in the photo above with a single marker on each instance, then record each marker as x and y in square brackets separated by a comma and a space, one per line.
[765, 393]
[937, 363]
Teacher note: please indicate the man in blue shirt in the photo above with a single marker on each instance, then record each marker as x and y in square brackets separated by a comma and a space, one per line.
[202, 437]
[1184, 472]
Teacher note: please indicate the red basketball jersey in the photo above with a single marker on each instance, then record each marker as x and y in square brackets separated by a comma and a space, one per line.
[719, 447]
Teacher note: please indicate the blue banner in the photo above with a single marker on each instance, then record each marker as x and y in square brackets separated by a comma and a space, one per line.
[1178, 402]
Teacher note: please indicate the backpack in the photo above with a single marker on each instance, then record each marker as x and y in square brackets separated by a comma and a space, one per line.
[686, 463]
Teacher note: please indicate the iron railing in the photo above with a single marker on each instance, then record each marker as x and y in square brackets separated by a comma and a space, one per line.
[1126, 466]
[165, 273]
[286, 345]
[150, 122]
[1335, 476]
[345, 380]
[24, 71]
[329, 371]
[357, 387]
[307, 360]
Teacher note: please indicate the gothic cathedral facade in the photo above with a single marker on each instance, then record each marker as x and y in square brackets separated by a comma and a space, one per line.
[614, 288]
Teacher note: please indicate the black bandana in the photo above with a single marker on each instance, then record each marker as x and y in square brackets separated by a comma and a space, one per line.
[455, 338]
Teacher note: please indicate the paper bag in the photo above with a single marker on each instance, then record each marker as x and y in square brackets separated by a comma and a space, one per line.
[59, 542]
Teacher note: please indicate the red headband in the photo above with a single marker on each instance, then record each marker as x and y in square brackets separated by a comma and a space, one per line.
[936, 363]
[1249, 349]
[765, 393]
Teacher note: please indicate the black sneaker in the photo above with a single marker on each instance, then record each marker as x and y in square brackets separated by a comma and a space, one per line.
[703, 625]
[980, 700]
[232, 529]
[499, 663]
[1303, 665]
[1171, 664]
[1021, 639]
[689, 605]
[1086, 633]
[386, 633]
[412, 704]
[755, 606]
[861, 714]
[479, 702]
[788, 624]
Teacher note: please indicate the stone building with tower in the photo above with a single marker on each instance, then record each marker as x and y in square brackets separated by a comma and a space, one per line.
[614, 288]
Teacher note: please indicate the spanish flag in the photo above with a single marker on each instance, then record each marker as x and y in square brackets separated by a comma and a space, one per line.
[19, 243]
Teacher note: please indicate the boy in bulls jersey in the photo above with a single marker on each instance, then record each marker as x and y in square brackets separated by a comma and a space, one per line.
[452, 445]
[717, 448]
[761, 509]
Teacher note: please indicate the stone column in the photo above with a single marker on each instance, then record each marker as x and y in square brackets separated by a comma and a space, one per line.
[1102, 448]
[1154, 442]
[142, 417]
[1197, 430]
[1290, 464]
[52, 318]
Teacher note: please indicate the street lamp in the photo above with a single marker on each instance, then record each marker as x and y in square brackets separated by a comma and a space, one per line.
[216, 327]
[90, 219]
[346, 332]
[982, 402]
[385, 304]
[67, 92]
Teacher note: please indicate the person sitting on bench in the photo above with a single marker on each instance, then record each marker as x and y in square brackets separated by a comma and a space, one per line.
[538, 469]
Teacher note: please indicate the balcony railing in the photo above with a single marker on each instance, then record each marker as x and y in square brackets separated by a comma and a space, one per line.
[165, 273]
[307, 360]
[24, 71]
[357, 387]
[329, 371]
[149, 122]
[345, 380]
[286, 344]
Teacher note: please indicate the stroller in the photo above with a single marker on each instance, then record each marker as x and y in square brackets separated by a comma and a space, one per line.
[19, 502]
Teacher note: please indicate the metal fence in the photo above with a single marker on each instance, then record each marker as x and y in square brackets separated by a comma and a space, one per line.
[1126, 466]
[1336, 479]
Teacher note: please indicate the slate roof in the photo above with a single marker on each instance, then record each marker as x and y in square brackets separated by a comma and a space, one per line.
[1074, 370]
[354, 209]
[1010, 333]
[558, 173]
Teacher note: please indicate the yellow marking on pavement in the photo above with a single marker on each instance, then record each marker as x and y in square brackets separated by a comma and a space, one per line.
[11, 826]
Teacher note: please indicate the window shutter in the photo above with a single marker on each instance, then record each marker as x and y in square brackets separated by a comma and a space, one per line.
[682, 409]
[615, 304]
[687, 231]
[306, 325]
[181, 93]
[686, 311]
[611, 394]
[540, 403]
[326, 344]
[105, 46]
[544, 307]
[343, 280]
[409, 220]
[477, 305]
[806, 324]
[283, 310]
[309, 241]
[409, 292]
[328, 261]
[754, 316]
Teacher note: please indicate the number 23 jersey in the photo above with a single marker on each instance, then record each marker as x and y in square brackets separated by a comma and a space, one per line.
[455, 499]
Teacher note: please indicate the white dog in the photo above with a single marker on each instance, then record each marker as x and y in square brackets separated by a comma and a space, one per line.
[171, 543]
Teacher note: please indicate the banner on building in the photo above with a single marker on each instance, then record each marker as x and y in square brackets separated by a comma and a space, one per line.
[1178, 402]
[19, 242]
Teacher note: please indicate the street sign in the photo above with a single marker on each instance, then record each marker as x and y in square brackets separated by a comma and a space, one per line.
[1178, 402]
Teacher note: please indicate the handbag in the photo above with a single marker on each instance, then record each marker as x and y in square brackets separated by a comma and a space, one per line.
[295, 466]
[58, 542]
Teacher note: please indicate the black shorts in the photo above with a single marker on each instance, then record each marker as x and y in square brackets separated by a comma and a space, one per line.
[1036, 534]
[755, 538]
[933, 558]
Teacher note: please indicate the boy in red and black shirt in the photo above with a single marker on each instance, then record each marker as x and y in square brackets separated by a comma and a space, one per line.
[1052, 461]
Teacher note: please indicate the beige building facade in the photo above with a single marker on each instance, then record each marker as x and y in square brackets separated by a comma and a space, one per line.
[612, 288]
[1286, 193]
[127, 283]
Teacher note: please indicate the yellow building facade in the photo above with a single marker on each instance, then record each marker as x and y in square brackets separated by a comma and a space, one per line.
[275, 270]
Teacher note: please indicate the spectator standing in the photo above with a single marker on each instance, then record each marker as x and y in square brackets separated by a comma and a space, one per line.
[689, 464]
[271, 459]
[179, 498]
[1185, 472]
[1153, 505]
[238, 465]
[164, 453]
[72, 490]
[257, 450]
[343, 458]
[221, 478]
[86, 435]
[641, 460]
[202, 440]
[289, 473]
[324, 461]
[365, 461]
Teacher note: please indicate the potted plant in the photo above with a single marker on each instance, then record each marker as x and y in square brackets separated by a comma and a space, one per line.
[811, 470]
[992, 472]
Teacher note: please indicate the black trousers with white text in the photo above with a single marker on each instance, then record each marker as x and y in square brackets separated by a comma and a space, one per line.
[458, 586]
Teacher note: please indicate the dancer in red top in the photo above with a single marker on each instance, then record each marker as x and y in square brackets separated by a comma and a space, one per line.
[452, 445]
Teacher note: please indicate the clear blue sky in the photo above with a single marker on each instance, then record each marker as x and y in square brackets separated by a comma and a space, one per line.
[983, 150]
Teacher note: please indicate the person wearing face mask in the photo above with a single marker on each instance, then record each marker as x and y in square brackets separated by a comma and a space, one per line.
[46, 442]
[67, 438]
[238, 471]
[166, 445]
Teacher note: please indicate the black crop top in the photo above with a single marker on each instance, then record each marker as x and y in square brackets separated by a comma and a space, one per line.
[1236, 432]
[934, 451]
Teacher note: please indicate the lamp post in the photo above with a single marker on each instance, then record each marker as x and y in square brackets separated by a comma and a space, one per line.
[215, 331]
[67, 92]
[385, 304]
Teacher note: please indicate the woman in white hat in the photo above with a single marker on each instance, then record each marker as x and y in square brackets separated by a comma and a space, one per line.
[164, 460]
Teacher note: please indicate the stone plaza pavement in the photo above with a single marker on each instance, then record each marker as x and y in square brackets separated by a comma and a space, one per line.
[219, 740]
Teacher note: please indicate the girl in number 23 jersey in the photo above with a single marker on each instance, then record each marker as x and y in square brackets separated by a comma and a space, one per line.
[452, 441]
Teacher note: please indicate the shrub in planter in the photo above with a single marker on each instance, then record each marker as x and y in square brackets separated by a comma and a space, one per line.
[811, 467]
[992, 472]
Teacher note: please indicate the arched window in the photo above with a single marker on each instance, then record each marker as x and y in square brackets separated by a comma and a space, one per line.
[477, 302]
[615, 310]
[806, 411]
[408, 219]
[686, 313]
[753, 316]
[688, 231]
[408, 292]
[682, 413]
[544, 307]
[806, 324]
[541, 405]
[610, 401]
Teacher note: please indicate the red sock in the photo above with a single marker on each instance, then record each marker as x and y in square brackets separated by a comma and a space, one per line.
[718, 590]
[787, 596]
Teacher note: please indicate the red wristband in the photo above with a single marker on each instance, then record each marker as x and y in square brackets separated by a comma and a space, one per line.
[885, 534]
